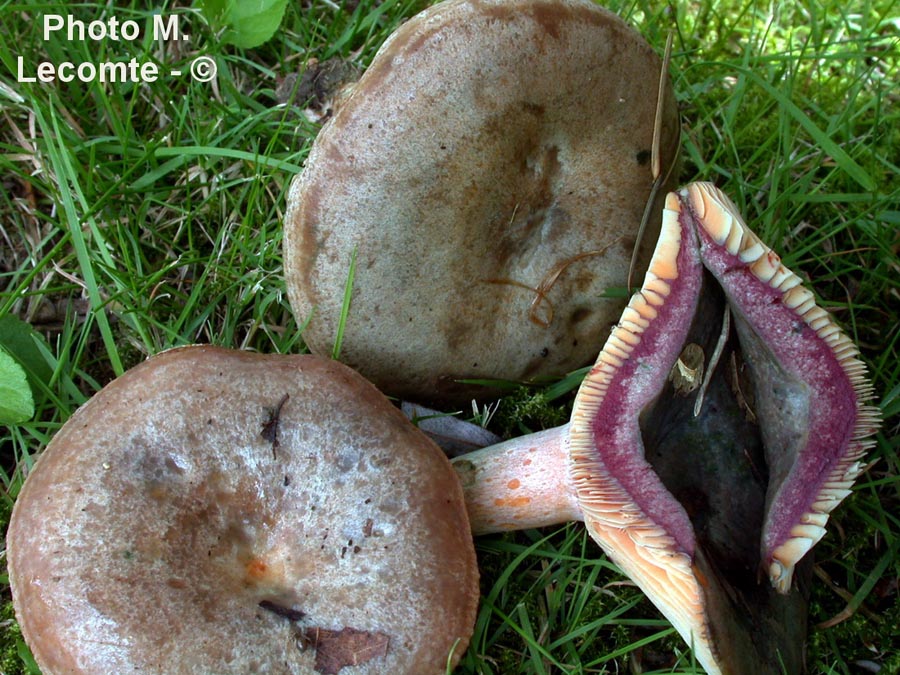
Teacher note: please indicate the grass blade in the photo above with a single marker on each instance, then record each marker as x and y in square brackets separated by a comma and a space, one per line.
[345, 308]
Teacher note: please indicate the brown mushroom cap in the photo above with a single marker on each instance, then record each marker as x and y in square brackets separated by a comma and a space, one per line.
[490, 170]
[213, 511]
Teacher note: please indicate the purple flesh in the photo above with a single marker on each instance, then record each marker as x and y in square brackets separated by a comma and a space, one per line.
[635, 385]
[806, 401]
[774, 445]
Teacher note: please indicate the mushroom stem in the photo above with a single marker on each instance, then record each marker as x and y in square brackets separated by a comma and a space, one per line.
[521, 483]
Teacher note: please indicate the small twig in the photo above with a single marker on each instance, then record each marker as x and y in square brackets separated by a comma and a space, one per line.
[714, 360]
[655, 160]
[847, 597]
[288, 613]
[547, 284]
[270, 426]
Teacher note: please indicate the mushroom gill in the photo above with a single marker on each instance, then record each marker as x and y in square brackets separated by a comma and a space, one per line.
[723, 421]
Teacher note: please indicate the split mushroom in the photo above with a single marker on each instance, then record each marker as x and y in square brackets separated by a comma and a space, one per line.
[725, 418]
[214, 511]
[488, 171]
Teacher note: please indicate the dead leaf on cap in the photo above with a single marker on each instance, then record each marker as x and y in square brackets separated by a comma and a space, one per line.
[336, 649]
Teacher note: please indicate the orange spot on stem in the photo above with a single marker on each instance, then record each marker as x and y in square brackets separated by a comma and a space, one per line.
[513, 501]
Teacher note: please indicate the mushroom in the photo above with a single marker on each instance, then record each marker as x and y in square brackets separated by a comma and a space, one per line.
[213, 511]
[488, 172]
[726, 416]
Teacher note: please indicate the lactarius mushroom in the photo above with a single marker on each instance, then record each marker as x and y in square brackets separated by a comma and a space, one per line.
[725, 418]
[489, 171]
[213, 511]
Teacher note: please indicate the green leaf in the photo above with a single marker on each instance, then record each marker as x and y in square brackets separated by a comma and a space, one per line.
[16, 403]
[215, 10]
[248, 23]
[21, 341]
[27, 658]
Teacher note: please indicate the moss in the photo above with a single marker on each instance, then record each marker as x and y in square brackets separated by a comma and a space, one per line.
[527, 410]
[10, 635]
[10, 641]
[15, 658]
[870, 632]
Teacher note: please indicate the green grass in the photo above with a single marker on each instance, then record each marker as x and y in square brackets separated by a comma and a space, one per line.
[138, 217]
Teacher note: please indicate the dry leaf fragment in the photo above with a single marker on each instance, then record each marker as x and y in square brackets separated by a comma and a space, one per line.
[336, 649]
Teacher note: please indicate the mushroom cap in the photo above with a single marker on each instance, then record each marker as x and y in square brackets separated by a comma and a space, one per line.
[214, 511]
[489, 170]
[694, 500]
